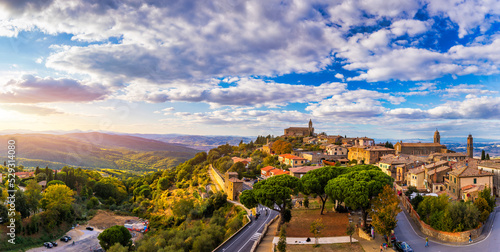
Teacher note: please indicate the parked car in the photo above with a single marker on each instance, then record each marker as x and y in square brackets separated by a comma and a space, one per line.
[90, 228]
[47, 245]
[65, 238]
[54, 243]
[402, 247]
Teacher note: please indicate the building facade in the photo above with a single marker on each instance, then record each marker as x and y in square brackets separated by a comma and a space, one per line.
[300, 131]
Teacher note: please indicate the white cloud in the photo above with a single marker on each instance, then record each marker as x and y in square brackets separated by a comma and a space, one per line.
[31, 109]
[409, 26]
[32, 89]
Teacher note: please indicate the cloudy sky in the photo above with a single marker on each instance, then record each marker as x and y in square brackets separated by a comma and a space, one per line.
[381, 68]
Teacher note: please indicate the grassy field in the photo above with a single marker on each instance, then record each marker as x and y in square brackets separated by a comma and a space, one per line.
[299, 226]
[337, 247]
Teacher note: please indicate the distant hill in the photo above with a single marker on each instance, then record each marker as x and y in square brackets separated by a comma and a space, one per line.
[95, 150]
[197, 142]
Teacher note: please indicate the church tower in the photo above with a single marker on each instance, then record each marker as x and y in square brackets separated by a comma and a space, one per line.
[470, 147]
[311, 129]
[437, 137]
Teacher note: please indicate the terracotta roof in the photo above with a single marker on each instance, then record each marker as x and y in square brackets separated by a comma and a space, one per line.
[267, 168]
[469, 169]
[459, 154]
[243, 160]
[416, 170]
[490, 164]
[440, 169]
[276, 172]
[422, 145]
[472, 188]
[304, 169]
[437, 164]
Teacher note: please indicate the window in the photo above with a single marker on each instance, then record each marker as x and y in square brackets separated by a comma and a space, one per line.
[455, 179]
[475, 181]
[453, 190]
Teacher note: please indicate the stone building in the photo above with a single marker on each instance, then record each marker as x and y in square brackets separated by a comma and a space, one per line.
[465, 174]
[233, 185]
[368, 154]
[421, 149]
[493, 167]
[300, 131]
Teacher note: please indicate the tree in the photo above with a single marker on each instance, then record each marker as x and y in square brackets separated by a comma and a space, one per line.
[55, 182]
[357, 188]
[487, 156]
[410, 190]
[113, 235]
[274, 192]
[281, 147]
[306, 202]
[22, 204]
[486, 194]
[163, 184]
[282, 241]
[33, 195]
[57, 196]
[316, 227]
[385, 208]
[316, 180]
[117, 248]
[483, 155]
[350, 230]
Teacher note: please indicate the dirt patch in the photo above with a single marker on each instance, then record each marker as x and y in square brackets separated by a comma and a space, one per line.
[300, 225]
[105, 219]
[337, 247]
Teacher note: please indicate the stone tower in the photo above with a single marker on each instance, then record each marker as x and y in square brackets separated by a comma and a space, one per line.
[311, 130]
[470, 147]
[437, 137]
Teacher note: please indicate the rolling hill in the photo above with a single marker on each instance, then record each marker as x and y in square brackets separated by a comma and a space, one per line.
[95, 150]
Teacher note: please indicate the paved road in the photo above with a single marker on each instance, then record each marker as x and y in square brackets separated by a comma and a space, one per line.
[405, 232]
[243, 241]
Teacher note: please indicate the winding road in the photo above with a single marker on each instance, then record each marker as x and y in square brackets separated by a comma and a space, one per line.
[489, 239]
[244, 240]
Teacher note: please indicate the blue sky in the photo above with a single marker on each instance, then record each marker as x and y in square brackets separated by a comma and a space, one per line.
[383, 68]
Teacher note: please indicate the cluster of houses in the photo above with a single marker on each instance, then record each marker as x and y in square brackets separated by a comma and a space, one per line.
[430, 167]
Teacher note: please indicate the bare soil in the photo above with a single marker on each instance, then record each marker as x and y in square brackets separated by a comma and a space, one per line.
[335, 224]
[106, 219]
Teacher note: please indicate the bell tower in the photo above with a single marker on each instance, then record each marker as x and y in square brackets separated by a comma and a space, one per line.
[311, 129]
[470, 147]
[437, 137]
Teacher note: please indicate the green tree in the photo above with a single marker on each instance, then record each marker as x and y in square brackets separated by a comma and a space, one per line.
[483, 155]
[306, 202]
[350, 231]
[113, 235]
[410, 190]
[357, 188]
[274, 192]
[487, 156]
[163, 184]
[315, 229]
[117, 248]
[486, 194]
[92, 203]
[57, 196]
[316, 180]
[282, 241]
[385, 208]
[482, 205]
[21, 203]
[33, 195]
[55, 182]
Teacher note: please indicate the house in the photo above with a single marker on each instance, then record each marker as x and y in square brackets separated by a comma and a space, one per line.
[43, 184]
[415, 177]
[265, 172]
[277, 172]
[364, 141]
[455, 157]
[317, 157]
[298, 172]
[396, 166]
[493, 167]
[23, 175]
[435, 175]
[268, 147]
[245, 161]
[336, 150]
[291, 160]
[467, 173]
[368, 154]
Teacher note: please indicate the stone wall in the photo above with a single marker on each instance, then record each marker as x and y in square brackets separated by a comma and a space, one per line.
[364, 235]
[219, 179]
[440, 235]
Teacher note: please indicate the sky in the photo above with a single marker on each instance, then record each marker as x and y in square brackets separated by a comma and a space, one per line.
[395, 69]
